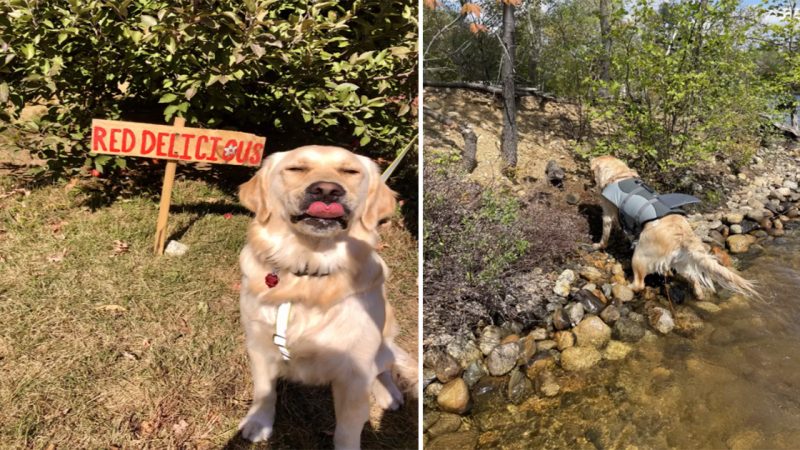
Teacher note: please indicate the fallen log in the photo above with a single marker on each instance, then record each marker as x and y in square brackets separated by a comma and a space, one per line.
[495, 90]
[787, 130]
[470, 138]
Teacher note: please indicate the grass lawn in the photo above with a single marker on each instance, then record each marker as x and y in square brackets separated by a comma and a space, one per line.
[105, 346]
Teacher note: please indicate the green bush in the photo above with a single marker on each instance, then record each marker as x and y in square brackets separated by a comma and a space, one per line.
[689, 88]
[342, 72]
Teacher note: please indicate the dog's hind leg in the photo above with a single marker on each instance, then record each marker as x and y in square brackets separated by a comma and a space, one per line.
[639, 265]
[384, 389]
[351, 405]
[609, 212]
[257, 424]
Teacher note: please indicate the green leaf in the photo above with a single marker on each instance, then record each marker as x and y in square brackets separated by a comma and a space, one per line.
[167, 98]
[346, 87]
[148, 21]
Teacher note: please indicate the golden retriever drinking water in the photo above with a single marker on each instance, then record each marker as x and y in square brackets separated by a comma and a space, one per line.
[312, 297]
[666, 241]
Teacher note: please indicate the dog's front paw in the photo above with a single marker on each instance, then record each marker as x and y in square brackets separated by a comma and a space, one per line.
[387, 395]
[598, 246]
[257, 426]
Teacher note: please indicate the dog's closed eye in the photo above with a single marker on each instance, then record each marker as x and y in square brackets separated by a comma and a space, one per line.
[297, 169]
[349, 171]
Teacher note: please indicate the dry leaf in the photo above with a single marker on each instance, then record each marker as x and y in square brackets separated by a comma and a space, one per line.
[130, 355]
[72, 183]
[146, 428]
[24, 192]
[180, 427]
[476, 28]
[120, 247]
[58, 257]
[56, 226]
[430, 4]
[471, 8]
[114, 308]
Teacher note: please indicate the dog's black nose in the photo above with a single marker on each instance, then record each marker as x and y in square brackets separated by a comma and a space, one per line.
[326, 189]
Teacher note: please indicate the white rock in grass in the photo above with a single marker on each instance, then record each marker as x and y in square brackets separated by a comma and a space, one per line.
[175, 248]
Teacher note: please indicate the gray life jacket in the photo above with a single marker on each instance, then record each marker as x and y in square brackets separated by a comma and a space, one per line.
[639, 204]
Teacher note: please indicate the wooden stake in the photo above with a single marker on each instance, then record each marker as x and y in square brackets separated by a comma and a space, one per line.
[166, 195]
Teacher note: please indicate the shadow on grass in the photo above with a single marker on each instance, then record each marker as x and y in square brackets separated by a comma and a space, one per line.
[301, 409]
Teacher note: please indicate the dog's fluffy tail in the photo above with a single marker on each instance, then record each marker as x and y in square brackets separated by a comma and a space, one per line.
[701, 266]
[405, 370]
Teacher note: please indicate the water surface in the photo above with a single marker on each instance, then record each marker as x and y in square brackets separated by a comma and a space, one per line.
[736, 385]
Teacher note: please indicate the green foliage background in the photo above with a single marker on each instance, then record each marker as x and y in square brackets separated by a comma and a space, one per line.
[689, 80]
[339, 72]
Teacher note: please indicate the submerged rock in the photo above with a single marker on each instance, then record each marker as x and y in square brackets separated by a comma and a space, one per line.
[546, 384]
[579, 358]
[519, 387]
[616, 350]
[687, 323]
[462, 440]
[740, 243]
[564, 339]
[660, 319]
[708, 307]
[628, 330]
[445, 423]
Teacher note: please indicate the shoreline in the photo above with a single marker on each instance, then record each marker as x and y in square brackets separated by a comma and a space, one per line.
[591, 314]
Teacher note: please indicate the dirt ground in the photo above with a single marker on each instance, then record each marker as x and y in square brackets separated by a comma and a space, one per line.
[544, 135]
[104, 345]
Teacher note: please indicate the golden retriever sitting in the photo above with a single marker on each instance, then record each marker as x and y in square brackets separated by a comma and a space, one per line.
[664, 244]
[312, 297]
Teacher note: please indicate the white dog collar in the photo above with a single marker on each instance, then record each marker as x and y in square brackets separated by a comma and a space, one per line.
[281, 325]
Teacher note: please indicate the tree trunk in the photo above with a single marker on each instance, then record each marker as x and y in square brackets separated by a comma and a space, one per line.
[605, 38]
[470, 138]
[509, 137]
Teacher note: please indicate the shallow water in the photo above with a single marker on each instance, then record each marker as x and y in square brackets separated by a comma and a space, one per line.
[736, 385]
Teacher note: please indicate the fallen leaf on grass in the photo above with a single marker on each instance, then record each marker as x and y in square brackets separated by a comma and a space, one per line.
[114, 308]
[120, 247]
[58, 257]
[24, 192]
[55, 227]
[130, 355]
[72, 183]
[180, 427]
[227, 215]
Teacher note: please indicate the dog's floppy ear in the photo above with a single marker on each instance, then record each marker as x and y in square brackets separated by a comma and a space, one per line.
[381, 201]
[253, 194]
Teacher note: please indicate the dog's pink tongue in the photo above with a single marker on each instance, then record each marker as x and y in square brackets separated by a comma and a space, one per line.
[323, 211]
